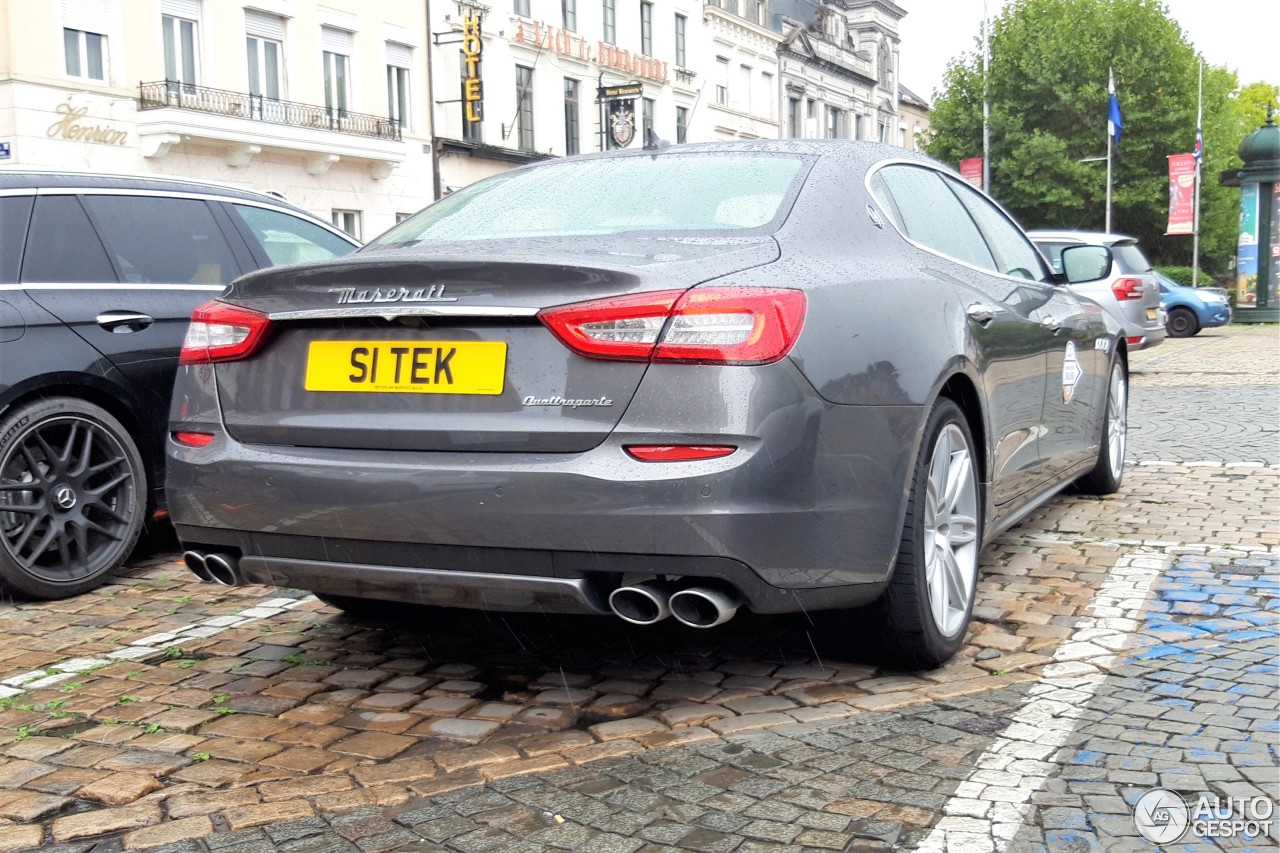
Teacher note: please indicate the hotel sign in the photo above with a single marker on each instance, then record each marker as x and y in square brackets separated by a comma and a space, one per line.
[70, 127]
[472, 88]
[565, 43]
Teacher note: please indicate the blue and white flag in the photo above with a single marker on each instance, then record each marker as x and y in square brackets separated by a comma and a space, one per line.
[1114, 124]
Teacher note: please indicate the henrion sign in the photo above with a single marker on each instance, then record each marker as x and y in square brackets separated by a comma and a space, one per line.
[69, 127]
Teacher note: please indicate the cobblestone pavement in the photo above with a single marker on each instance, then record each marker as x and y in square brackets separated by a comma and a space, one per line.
[1118, 645]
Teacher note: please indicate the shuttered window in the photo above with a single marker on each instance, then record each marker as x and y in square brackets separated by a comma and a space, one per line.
[264, 26]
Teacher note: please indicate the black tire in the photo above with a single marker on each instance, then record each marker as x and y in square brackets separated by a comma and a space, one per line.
[1182, 323]
[913, 637]
[73, 494]
[1108, 471]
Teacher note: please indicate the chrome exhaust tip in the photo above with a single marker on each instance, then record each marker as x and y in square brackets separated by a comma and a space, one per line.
[223, 568]
[701, 607]
[194, 561]
[641, 604]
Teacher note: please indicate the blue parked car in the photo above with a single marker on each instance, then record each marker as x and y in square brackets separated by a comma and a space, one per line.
[1190, 309]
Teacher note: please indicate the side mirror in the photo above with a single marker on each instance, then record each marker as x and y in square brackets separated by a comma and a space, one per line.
[1085, 263]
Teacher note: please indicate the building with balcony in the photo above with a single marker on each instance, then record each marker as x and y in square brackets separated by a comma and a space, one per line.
[839, 69]
[523, 80]
[321, 103]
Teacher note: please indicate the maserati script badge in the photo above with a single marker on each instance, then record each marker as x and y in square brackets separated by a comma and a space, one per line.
[351, 296]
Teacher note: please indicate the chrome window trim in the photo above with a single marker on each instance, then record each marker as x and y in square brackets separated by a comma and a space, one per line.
[947, 173]
[44, 285]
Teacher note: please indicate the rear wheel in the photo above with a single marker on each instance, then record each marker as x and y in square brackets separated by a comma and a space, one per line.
[1108, 471]
[72, 497]
[925, 611]
[1182, 323]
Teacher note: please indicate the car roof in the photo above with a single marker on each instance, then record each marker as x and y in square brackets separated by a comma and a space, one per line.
[855, 153]
[31, 178]
[1101, 238]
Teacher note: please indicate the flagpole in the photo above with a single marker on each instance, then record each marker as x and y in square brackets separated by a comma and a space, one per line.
[986, 107]
[1107, 228]
[1111, 132]
[1195, 229]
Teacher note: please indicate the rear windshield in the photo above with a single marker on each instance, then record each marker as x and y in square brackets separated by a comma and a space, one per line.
[710, 193]
[1127, 255]
[1131, 258]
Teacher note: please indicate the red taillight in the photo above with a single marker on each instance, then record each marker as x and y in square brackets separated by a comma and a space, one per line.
[222, 332]
[711, 325]
[1134, 341]
[1127, 288]
[678, 452]
[193, 439]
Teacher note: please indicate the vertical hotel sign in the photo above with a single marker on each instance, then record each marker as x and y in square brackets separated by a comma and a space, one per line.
[472, 89]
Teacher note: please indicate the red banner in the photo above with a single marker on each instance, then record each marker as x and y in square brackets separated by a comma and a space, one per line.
[1182, 192]
[971, 171]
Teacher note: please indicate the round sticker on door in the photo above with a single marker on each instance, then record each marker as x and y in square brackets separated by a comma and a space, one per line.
[1071, 372]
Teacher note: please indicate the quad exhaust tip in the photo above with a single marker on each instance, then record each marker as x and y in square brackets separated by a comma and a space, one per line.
[214, 568]
[642, 603]
[702, 607]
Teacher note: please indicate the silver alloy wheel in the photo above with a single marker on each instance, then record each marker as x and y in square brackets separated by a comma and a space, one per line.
[951, 531]
[1117, 420]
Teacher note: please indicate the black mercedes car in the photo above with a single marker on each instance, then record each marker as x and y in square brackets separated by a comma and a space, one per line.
[98, 279]
[778, 375]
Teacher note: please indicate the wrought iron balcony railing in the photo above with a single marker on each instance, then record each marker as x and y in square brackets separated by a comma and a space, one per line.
[183, 96]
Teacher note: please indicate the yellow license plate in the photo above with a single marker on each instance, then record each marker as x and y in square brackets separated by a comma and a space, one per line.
[1151, 313]
[407, 367]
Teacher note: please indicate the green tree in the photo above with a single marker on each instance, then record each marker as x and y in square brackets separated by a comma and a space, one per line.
[1047, 85]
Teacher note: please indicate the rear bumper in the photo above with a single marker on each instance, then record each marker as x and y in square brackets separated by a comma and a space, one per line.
[804, 515]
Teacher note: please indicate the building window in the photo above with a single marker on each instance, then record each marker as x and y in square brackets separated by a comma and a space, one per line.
[722, 78]
[681, 25]
[521, 8]
[86, 54]
[569, 14]
[610, 21]
[744, 90]
[646, 28]
[179, 49]
[572, 127]
[857, 127]
[399, 60]
[833, 123]
[682, 124]
[264, 67]
[524, 108]
[264, 47]
[883, 132]
[793, 118]
[646, 118]
[398, 95]
[337, 69]
[347, 220]
[401, 217]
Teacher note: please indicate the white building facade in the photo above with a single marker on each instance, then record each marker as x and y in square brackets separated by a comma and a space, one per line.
[322, 103]
[839, 69]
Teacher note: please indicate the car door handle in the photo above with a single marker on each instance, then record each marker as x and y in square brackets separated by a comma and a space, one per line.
[123, 322]
[981, 314]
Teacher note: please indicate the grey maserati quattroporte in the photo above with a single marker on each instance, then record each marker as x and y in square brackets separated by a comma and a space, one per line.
[780, 376]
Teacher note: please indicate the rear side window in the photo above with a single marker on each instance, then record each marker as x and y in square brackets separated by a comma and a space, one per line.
[158, 240]
[15, 213]
[932, 216]
[63, 246]
[1131, 258]
[288, 239]
[1014, 254]
[1053, 253]
[711, 193]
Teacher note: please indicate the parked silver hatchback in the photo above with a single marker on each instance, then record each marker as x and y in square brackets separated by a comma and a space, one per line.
[1129, 293]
